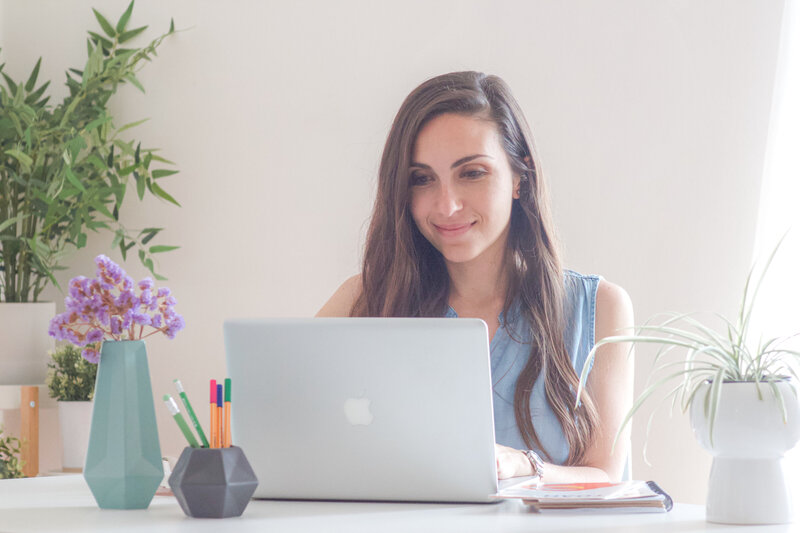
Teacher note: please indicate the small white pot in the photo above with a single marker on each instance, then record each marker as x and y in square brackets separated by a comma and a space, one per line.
[75, 420]
[747, 484]
[24, 342]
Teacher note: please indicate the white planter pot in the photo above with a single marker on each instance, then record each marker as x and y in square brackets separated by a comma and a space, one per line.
[747, 484]
[24, 342]
[75, 420]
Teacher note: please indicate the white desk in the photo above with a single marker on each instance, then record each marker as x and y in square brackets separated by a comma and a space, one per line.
[64, 503]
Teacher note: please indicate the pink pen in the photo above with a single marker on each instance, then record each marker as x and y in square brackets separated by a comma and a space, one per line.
[213, 400]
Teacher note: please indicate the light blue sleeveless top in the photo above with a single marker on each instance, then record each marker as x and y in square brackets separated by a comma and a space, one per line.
[508, 358]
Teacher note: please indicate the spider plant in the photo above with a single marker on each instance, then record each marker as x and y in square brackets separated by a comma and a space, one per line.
[710, 357]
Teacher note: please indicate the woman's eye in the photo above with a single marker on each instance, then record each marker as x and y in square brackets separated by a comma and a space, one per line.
[474, 173]
[419, 179]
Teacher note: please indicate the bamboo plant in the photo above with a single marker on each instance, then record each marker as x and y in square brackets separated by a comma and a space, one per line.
[64, 170]
[710, 357]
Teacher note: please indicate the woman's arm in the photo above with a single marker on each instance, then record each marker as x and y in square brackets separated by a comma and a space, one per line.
[610, 385]
[341, 303]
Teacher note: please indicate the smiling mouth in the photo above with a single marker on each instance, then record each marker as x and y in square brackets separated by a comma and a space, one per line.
[454, 229]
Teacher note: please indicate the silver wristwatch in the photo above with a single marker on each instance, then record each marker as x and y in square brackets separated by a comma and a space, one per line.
[536, 463]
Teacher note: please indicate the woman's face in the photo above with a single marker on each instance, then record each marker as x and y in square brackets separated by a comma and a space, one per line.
[462, 187]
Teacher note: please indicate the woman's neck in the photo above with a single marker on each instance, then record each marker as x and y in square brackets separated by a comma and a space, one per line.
[479, 284]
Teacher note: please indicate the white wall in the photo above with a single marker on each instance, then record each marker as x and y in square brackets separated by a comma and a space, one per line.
[650, 117]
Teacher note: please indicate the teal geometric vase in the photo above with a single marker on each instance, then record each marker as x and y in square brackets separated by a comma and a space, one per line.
[123, 463]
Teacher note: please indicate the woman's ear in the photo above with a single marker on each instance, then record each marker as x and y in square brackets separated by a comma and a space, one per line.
[517, 182]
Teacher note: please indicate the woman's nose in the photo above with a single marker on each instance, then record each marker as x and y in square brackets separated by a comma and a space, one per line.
[448, 200]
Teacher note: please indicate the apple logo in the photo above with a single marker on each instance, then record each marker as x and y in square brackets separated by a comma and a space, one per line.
[357, 412]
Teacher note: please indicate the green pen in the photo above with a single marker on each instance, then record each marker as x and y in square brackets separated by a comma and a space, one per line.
[176, 414]
[190, 411]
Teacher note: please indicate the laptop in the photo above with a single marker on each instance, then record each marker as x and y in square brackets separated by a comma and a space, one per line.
[383, 409]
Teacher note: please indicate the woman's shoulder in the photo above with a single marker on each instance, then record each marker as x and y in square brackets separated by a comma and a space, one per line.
[342, 301]
[608, 298]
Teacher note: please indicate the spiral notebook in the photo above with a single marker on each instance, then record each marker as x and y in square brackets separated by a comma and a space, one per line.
[626, 496]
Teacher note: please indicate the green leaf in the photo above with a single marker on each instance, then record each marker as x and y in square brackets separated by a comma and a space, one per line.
[23, 158]
[108, 28]
[160, 248]
[127, 170]
[34, 96]
[162, 193]
[171, 26]
[159, 158]
[161, 173]
[132, 78]
[149, 234]
[140, 185]
[128, 35]
[131, 125]
[73, 180]
[97, 162]
[35, 74]
[81, 240]
[12, 87]
[101, 41]
[11, 221]
[101, 207]
[97, 122]
[123, 20]
[95, 225]
[118, 235]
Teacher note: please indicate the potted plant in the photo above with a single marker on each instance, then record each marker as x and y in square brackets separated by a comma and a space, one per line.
[10, 464]
[742, 400]
[71, 382]
[64, 171]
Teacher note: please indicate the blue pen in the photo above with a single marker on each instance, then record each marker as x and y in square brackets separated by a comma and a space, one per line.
[219, 414]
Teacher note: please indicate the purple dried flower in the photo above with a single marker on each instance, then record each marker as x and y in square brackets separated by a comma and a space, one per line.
[107, 308]
[91, 355]
[143, 319]
[146, 297]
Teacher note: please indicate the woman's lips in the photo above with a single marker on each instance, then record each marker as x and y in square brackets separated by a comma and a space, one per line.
[453, 230]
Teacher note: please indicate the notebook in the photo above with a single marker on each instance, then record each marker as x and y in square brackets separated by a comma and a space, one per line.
[384, 409]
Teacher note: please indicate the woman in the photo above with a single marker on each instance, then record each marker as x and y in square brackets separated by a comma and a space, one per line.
[461, 227]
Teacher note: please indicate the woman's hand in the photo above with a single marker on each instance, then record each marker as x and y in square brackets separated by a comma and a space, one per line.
[511, 462]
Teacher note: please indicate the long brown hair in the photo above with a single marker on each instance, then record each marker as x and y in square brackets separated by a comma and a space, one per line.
[403, 275]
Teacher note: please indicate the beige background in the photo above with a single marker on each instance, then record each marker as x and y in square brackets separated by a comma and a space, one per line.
[650, 116]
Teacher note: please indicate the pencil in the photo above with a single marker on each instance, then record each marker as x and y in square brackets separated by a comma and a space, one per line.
[213, 421]
[219, 416]
[176, 415]
[190, 412]
[227, 412]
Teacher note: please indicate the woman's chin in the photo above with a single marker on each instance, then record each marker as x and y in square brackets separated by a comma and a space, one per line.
[458, 256]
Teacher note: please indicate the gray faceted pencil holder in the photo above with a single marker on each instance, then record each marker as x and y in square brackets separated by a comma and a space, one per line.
[213, 482]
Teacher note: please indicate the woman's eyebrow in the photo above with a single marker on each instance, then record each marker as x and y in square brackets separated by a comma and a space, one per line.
[456, 164]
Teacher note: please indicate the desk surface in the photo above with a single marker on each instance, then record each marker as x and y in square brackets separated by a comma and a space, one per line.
[64, 503]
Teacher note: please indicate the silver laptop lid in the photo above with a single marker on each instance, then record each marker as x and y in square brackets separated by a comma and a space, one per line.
[364, 408]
